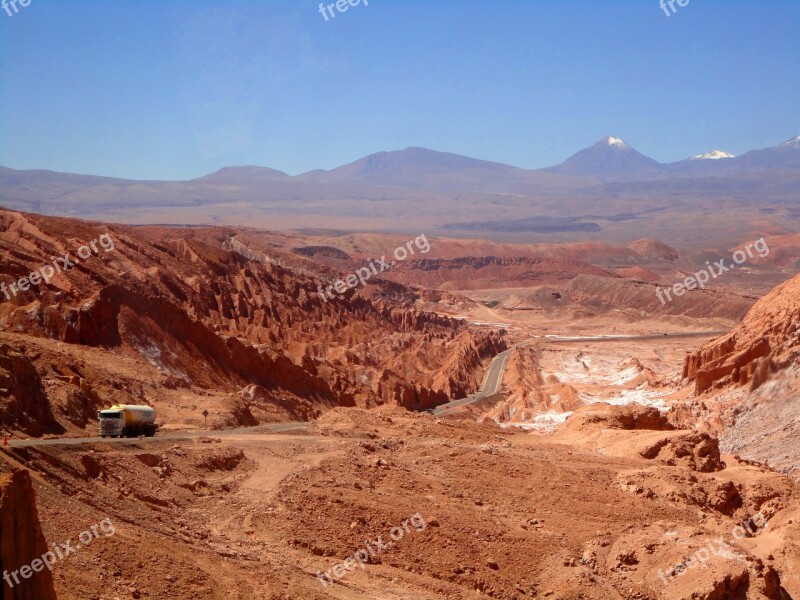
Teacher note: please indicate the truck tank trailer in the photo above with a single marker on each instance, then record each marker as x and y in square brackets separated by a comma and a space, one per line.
[127, 420]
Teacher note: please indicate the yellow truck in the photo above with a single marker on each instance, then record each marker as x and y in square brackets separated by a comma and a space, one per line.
[127, 420]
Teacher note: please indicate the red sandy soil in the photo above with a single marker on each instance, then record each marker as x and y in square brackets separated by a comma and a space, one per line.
[604, 506]
[594, 511]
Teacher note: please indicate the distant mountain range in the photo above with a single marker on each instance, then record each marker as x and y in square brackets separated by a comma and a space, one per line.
[609, 159]
[609, 180]
[410, 168]
[612, 158]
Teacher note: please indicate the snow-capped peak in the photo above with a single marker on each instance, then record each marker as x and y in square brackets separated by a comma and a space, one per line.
[713, 155]
[616, 142]
[792, 143]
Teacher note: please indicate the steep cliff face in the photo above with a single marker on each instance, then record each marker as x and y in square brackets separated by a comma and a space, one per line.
[23, 402]
[767, 341]
[205, 315]
[748, 386]
[22, 541]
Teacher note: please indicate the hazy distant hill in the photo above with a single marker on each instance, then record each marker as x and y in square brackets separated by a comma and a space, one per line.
[785, 156]
[429, 169]
[782, 156]
[609, 158]
[608, 186]
[242, 174]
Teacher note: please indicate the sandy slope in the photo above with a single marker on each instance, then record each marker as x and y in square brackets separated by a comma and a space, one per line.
[506, 515]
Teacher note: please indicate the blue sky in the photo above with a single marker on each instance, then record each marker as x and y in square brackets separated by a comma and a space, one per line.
[176, 89]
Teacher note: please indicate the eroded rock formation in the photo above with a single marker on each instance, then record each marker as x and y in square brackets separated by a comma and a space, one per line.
[22, 541]
[768, 340]
[207, 314]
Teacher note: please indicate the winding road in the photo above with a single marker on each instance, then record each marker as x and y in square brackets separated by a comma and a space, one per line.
[492, 384]
[494, 376]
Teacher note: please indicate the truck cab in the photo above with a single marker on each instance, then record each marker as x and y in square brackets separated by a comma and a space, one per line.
[112, 422]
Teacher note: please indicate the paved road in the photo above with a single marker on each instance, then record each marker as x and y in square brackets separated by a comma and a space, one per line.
[178, 435]
[494, 378]
[491, 385]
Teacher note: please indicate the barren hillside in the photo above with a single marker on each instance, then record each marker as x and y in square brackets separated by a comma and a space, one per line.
[163, 314]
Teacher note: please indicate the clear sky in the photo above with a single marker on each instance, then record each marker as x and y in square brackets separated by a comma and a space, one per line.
[167, 89]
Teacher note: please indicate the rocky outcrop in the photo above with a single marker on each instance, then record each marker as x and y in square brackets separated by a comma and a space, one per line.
[23, 402]
[608, 416]
[768, 340]
[694, 450]
[21, 541]
[654, 249]
[207, 313]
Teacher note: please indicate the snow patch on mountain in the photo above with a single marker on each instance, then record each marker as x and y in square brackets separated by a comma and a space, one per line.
[792, 143]
[713, 155]
[616, 142]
